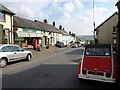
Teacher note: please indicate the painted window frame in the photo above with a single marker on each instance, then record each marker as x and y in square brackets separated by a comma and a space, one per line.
[2, 17]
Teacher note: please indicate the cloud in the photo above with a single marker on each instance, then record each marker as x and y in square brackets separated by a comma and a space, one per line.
[75, 16]
[69, 7]
[26, 11]
[78, 4]
[56, 0]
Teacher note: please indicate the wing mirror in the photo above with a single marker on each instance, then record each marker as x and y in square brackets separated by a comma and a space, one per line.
[22, 50]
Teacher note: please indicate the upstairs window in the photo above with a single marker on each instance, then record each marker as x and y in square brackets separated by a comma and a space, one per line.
[114, 29]
[114, 41]
[2, 17]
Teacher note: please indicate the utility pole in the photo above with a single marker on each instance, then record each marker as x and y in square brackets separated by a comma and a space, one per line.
[94, 21]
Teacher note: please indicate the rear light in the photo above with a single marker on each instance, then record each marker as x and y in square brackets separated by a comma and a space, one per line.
[84, 71]
[79, 67]
[108, 74]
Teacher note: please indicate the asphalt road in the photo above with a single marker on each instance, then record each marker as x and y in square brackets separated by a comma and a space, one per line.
[56, 70]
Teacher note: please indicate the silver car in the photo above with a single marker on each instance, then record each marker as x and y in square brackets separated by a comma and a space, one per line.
[10, 53]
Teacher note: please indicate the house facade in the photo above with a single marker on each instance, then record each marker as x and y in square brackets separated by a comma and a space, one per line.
[107, 31]
[6, 21]
[28, 30]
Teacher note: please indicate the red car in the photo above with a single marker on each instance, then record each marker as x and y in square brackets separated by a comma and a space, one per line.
[98, 63]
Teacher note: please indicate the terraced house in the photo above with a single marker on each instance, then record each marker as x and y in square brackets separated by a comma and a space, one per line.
[25, 31]
[6, 25]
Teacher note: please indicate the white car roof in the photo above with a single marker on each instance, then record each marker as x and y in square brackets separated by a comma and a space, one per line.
[2, 45]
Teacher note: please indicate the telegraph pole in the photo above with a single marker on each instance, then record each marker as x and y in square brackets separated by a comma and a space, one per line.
[94, 21]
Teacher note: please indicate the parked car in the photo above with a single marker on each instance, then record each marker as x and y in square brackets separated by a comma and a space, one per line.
[59, 44]
[10, 53]
[98, 64]
[74, 45]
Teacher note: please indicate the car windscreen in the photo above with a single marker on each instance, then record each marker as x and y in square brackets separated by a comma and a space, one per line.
[97, 51]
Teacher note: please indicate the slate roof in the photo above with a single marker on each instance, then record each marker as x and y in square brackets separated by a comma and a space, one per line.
[63, 32]
[25, 23]
[6, 10]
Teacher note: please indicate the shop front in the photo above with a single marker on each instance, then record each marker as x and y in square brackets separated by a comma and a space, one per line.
[25, 37]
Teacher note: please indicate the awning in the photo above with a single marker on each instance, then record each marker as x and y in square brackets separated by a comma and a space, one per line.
[39, 34]
[22, 34]
[32, 34]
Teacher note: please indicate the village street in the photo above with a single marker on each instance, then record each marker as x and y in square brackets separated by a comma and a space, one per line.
[52, 68]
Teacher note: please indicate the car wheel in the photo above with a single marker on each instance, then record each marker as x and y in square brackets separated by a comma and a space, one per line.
[28, 58]
[82, 80]
[3, 63]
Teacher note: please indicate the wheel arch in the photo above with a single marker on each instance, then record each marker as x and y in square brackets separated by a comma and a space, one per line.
[30, 55]
[5, 58]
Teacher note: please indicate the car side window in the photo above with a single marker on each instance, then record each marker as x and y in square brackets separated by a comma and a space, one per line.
[15, 48]
[6, 49]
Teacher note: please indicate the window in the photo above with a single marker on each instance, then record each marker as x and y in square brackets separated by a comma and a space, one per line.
[114, 29]
[114, 41]
[2, 17]
[97, 52]
[15, 48]
[6, 49]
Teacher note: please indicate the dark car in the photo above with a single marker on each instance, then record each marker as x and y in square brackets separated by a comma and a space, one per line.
[59, 44]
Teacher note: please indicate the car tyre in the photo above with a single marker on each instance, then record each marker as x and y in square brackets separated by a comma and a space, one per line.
[3, 63]
[28, 58]
[82, 80]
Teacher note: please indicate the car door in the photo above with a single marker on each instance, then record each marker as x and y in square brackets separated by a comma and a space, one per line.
[18, 54]
[7, 51]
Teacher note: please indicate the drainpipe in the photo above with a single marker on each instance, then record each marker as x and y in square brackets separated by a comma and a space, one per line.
[1, 33]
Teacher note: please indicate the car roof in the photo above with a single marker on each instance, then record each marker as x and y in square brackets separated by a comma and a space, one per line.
[99, 45]
[2, 45]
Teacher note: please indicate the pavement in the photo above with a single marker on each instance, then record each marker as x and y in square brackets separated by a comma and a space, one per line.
[43, 50]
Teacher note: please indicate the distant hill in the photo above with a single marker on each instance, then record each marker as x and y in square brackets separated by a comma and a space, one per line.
[85, 37]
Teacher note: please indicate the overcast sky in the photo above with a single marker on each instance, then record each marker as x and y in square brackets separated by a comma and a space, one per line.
[74, 15]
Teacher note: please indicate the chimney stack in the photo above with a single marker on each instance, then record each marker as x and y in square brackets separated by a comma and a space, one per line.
[45, 20]
[63, 29]
[53, 23]
[60, 27]
[69, 32]
[35, 21]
